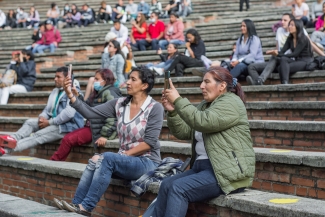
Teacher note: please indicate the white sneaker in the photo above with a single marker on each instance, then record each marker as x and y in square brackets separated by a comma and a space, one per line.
[29, 27]
[104, 21]
[160, 71]
[96, 23]
[110, 22]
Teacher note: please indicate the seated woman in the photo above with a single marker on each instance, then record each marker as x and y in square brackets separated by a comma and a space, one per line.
[11, 21]
[223, 159]
[301, 51]
[248, 49]
[113, 59]
[300, 11]
[53, 14]
[97, 131]
[139, 121]
[73, 18]
[138, 31]
[33, 19]
[24, 65]
[166, 59]
[195, 49]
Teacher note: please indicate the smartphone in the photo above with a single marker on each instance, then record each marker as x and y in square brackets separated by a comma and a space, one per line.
[185, 164]
[293, 5]
[70, 74]
[167, 76]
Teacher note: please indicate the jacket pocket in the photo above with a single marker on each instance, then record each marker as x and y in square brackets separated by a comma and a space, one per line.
[237, 162]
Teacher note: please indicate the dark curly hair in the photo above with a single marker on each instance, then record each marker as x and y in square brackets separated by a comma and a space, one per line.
[146, 75]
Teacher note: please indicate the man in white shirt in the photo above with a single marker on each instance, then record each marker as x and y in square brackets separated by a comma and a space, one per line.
[259, 72]
[2, 20]
[120, 30]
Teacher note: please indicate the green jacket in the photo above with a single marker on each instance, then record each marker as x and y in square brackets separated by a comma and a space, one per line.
[225, 130]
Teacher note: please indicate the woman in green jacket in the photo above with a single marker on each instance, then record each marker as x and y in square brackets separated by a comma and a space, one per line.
[223, 159]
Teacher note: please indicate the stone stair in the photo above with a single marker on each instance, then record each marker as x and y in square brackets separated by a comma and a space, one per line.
[286, 121]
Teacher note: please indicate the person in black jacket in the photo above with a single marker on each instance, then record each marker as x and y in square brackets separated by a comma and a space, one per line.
[11, 21]
[37, 35]
[24, 66]
[301, 52]
[195, 49]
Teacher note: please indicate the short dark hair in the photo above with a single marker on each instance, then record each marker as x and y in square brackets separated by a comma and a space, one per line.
[291, 17]
[157, 15]
[174, 14]
[28, 53]
[53, 5]
[64, 70]
[116, 21]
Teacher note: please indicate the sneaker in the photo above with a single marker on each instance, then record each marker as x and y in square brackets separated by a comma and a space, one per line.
[96, 23]
[7, 141]
[104, 21]
[29, 27]
[74, 208]
[259, 81]
[110, 22]
[250, 80]
[58, 203]
[160, 71]
[2, 152]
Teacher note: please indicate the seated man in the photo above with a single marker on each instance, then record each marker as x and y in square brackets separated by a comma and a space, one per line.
[87, 15]
[132, 10]
[119, 12]
[50, 39]
[57, 119]
[259, 72]
[173, 32]
[143, 8]
[23, 66]
[173, 6]
[154, 34]
[104, 13]
[21, 18]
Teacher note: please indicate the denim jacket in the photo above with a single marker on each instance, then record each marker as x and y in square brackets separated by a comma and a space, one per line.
[67, 118]
[115, 64]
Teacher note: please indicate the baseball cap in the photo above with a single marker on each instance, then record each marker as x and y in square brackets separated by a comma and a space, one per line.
[49, 22]
[110, 36]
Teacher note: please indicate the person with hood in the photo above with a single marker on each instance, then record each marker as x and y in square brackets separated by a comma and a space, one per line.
[24, 65]
[50, 39]
[97, 131]
[21, 18]
[87, 16]
[2, 20]
[57, 119]
[173, 32]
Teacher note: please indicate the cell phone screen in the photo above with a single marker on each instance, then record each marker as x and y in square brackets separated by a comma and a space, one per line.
[167, 76]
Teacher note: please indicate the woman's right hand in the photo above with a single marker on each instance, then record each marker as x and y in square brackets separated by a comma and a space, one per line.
[159, 51]
[167, 105]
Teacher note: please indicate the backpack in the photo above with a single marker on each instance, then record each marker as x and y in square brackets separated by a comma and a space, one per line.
[8, 78]
[317, 63]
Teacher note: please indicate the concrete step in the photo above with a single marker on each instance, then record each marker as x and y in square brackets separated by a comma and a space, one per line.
[292, 111]
[27, 208]
[248, 203]
[294, 135]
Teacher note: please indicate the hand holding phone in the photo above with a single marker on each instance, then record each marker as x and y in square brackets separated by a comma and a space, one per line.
[167, 76]
[70, 74]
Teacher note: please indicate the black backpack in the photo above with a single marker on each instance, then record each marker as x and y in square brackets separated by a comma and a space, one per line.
[317, 63]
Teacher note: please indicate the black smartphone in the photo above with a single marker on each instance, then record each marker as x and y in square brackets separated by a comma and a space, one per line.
[167, 76]
[185, 164]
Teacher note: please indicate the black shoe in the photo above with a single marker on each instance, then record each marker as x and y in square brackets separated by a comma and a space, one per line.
[58, 203]
[284, 82]
[74, 208]
[259, 81]
[250, 80]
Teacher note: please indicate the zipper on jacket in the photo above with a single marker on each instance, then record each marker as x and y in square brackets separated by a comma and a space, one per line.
[237, 162]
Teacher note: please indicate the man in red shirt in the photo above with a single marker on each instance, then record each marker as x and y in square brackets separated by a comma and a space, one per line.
[154, 34]
[50, 39]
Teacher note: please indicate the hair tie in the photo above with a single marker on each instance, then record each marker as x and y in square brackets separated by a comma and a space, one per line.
[234, 82]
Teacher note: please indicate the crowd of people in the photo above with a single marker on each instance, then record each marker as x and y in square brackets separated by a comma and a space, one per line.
[220, 164]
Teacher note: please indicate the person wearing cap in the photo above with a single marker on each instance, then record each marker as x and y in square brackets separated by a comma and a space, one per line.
[87, 15]
[2, 20]
[21, 18]
[50, 39]
[154, 34]
[173, 32]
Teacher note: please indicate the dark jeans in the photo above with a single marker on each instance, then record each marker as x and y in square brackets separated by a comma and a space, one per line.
[103, 16]
[85, 22]
[240, 68]
[32, 23]
[181, 62]
[73, 23]
[304, 19]
[262, 70]
[289, 66]
[11, 22]
[241, 4]
[114, 16]
[142, 44]
[54, 20]
[21, 25]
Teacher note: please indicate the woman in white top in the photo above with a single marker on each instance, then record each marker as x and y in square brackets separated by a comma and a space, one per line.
[301, 11]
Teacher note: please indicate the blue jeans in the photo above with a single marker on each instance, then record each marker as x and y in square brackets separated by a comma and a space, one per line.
[196, 184]
[164, 65]
[240, 68]
[97, 176]
[164, 43]
[143, 44]
[41, 48]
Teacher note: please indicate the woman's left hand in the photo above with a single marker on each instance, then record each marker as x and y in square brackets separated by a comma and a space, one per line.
[171, 94]
[234, 63]
[101, 141]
